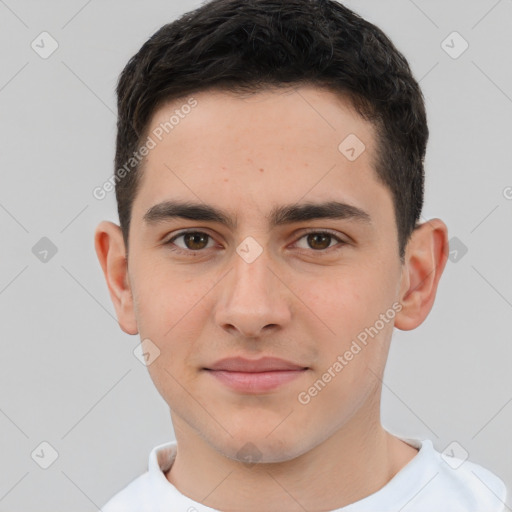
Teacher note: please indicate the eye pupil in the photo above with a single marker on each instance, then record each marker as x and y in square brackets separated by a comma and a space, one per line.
[195, 241]
[196, 238]
[321, 238]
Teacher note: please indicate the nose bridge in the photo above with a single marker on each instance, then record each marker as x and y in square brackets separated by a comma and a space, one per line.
[252, 295]
[251, 280]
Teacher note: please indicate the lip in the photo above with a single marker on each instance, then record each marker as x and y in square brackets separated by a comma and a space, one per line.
[264, 364]
[255, 375]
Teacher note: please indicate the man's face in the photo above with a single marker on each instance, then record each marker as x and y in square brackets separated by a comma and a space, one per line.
[267, 286]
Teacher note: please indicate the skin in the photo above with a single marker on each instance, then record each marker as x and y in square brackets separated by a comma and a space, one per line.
[247, 155]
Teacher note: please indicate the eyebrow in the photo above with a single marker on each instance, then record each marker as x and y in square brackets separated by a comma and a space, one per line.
[280, 215]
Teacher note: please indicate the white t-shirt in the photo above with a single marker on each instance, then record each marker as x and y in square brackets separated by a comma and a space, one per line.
[430, 482]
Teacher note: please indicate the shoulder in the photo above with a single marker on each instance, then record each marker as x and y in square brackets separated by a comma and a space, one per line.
[432, 481]
[152, 494]
[151, 490]
[459, 484]
[472, 486]
[131, 497]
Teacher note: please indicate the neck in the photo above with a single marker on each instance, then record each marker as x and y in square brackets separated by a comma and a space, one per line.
[356, 461]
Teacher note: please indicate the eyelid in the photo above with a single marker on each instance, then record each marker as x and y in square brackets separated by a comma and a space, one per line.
[170, 241]
[303, 233]
[334, 234]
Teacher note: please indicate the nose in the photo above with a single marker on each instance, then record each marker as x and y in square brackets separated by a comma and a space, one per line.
[254, 302]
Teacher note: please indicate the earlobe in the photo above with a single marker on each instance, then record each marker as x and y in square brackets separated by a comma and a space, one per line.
[425, 260]
[110, 249]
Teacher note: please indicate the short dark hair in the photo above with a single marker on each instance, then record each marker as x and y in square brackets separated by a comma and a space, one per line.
[244, 46]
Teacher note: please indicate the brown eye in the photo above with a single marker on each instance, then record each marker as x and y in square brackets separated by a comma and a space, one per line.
[319, 241]
[190, 241]
[195, 241]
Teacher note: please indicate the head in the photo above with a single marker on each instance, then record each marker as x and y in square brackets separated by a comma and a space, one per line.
[256, 45]
[288, 138]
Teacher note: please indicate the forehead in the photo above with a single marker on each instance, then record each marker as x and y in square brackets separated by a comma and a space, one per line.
[273, 116]
[256, 151]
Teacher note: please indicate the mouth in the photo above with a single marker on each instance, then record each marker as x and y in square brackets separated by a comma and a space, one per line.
[255, 376]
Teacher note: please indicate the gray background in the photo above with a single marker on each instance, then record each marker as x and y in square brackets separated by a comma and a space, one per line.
[68, 375]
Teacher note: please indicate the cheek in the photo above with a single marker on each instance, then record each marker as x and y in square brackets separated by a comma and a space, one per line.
[344, 301]
[174, 306]
[166, 301]
[347, 307]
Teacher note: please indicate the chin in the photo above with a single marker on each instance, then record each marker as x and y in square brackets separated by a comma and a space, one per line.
[251, 447]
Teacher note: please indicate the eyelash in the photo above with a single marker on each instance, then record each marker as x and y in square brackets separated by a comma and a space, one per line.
[188, 252]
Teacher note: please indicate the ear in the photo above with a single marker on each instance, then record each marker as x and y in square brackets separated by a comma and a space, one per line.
[424, 262]
[109, 244]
